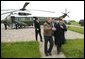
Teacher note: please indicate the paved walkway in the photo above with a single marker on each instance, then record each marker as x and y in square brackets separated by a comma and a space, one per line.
[54, 52]
[73, 35]
[27, 34]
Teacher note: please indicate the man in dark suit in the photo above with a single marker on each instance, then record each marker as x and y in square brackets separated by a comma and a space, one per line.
[59, 34]
[16, 24]
[5, 25]
[37, 28]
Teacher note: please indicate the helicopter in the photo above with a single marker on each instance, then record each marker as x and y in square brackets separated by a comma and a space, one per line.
[17, 18]
[21, 14]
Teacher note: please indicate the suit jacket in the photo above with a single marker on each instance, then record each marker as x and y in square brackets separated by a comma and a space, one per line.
[59, 34]
[47, 27]
[37, 25]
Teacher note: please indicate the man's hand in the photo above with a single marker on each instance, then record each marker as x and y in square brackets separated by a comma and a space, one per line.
[61, 26]
[53, 28]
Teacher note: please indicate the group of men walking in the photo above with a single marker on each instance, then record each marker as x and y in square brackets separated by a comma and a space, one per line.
[51, 28]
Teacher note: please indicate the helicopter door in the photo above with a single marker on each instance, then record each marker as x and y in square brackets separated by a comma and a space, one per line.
[12, 21]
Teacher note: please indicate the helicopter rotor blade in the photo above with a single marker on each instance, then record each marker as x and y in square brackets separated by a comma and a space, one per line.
[27, 10]
[9, 12]
[68, 12]
[42, 10]
[8, 9]
[68, 16]
[5, 13]
[65, 10]
[25, 5]
[62, 13]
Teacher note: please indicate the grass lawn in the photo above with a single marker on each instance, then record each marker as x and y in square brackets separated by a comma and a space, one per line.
[74, 48]
[76, 29]
[20, 50]
[75, 23]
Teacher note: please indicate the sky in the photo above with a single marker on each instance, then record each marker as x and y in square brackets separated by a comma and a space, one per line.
[76, 8]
